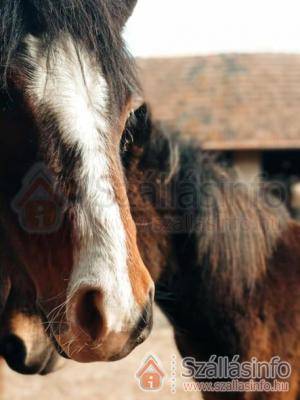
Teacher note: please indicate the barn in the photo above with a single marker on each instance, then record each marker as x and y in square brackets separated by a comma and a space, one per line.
[245, 106]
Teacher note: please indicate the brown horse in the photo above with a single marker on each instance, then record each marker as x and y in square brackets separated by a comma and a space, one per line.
[225, 258]
[67, 89]
[24, 343]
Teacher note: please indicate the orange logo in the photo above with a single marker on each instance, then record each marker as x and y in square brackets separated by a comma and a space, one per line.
[38, 207]
[150, 376]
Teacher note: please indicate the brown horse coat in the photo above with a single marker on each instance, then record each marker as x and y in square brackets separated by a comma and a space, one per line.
[225, 261]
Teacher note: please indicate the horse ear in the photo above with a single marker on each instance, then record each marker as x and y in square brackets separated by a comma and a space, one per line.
[121, 10]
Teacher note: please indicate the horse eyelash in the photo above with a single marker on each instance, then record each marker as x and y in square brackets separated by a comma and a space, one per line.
[127, 140]
[127, 136]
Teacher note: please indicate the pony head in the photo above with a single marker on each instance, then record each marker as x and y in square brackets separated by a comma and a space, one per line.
[69, 88]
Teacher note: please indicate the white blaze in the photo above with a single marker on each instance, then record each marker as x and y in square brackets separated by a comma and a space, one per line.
[77, 93]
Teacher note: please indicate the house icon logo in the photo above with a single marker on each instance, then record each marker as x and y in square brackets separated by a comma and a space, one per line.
[39, 207]
[150, 376]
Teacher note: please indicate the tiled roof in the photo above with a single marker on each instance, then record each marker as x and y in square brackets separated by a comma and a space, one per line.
[228, 101]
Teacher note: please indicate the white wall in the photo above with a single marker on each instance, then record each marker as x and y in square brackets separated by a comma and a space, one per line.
[174, 27]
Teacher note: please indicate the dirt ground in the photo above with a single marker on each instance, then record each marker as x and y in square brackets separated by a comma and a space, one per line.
[114, 381]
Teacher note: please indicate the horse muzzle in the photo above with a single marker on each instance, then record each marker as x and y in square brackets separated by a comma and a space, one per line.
[89, 338]
[42, 360]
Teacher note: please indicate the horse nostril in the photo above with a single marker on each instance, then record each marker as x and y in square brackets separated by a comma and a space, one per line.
[12, 349]
[88, 313]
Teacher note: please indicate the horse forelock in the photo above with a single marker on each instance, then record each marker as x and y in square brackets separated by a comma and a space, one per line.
[94, 24]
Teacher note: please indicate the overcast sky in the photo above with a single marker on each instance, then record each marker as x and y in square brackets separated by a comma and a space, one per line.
[179, 27]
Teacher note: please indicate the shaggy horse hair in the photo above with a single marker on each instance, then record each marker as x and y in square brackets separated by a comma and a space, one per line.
[225, 259]
[95, 24]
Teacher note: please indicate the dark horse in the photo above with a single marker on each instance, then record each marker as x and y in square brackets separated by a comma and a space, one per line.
[67, 88]
[24, 344]
[226, 259]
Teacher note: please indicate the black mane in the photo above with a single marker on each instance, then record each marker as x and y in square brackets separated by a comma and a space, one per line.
[95, 23]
